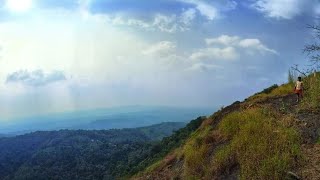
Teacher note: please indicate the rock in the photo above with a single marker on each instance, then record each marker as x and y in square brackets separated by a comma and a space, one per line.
[293, 176]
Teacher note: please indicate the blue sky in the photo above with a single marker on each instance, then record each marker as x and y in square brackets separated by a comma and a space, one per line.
[67, 55]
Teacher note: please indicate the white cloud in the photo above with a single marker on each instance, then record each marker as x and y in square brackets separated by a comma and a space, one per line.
[228, 53]
[81, 47]
[165, 23]
[202, 67]
[223, 47]
[171, 23]
[251, 44]
[162, 21]
[223, 40]
[159, 22]
[35, 78]
[188, 16]
[227, 47]
[255, 44]
[212, 9]
[205, 9]
[161, 49]
[284, 9]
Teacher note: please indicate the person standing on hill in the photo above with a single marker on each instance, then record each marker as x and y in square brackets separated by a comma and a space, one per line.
[298, 89]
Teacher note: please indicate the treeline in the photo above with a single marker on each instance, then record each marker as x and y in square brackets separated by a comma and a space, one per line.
[160, 149]
[82, 154]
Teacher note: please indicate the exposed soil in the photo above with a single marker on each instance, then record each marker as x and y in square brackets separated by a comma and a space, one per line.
[311, 167]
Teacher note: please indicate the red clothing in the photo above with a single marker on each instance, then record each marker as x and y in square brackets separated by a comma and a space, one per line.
[298, 91]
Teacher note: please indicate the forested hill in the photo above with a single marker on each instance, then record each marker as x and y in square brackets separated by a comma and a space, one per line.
[78, 154]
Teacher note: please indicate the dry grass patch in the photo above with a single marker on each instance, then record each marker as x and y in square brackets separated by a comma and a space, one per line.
[282, 90]
[311, 98]
[260, 144]
[196, 152]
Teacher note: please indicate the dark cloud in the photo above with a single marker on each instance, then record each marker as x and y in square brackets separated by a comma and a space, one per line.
[35, 78]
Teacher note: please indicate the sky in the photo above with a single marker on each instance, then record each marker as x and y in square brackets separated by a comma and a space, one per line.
[68, 55]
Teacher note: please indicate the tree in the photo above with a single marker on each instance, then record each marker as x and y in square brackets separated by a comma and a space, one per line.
[292, 75]
[313, 49]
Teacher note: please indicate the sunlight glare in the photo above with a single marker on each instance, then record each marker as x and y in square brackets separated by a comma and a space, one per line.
[19, 5]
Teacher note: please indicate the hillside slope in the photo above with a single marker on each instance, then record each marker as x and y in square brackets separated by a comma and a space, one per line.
[267, 136]
[79, 154]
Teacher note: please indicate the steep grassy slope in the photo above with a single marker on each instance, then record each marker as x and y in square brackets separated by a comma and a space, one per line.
[268, 136]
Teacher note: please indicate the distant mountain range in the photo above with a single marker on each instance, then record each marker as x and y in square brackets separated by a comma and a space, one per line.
[98, 119]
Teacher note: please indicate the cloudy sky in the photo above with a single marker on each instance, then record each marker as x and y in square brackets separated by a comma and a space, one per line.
[66, 55]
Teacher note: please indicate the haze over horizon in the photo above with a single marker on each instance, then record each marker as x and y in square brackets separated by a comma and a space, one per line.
[68, 55]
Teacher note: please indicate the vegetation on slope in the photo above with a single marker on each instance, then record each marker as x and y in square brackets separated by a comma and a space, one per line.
[159, 131]
[311, 98]
[260, 143]
[312, 93]
[81, 154]
[161, 149]
[256, 141]
[272, 91]
[260, 138]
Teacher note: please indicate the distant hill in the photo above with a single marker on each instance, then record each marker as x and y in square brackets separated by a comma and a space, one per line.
[144, 117]
[101, 119]
[78, 154]
[158, 131]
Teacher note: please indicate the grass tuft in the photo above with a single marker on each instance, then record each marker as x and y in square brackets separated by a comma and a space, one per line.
[260, 144]
[196, 153]
[272, 91]
[311, 95]
[284, 89]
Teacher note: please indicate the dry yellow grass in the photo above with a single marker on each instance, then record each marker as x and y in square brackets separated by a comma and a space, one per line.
[196, 153]
[263, 147]
[312, 93]
[282, 90]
